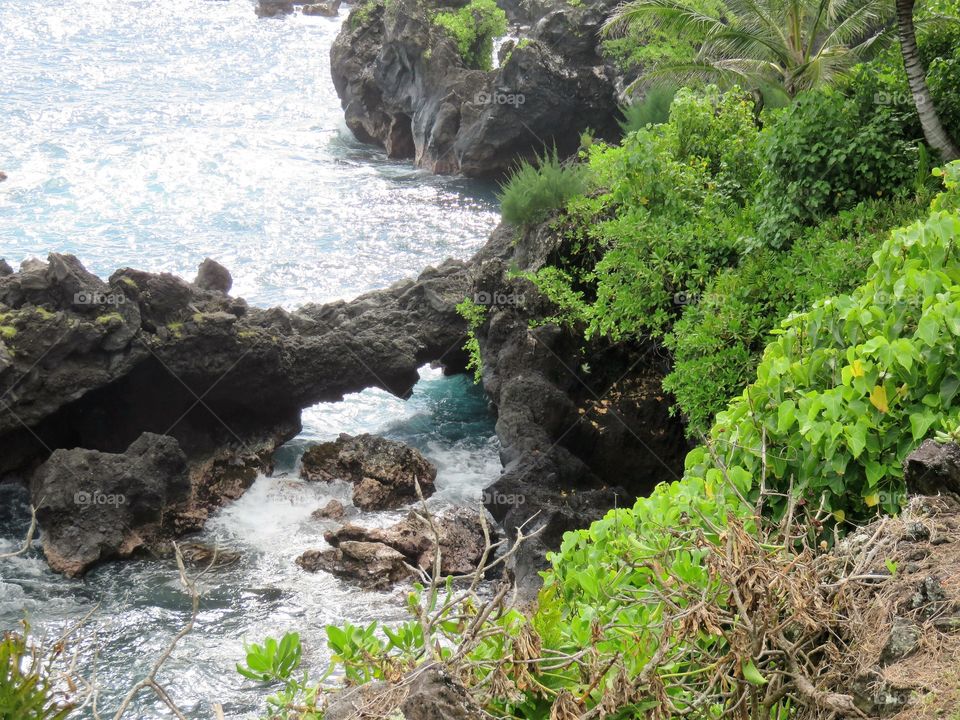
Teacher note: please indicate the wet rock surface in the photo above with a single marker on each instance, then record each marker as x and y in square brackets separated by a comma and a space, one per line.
[379, 557]
[384, 473]
[329, 8]
[333, 510]
[94, 506]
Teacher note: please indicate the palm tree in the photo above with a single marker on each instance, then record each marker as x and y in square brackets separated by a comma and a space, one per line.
[793, 44]
[933, 130]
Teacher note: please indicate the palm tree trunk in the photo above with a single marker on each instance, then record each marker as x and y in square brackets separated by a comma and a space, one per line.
[933, 130]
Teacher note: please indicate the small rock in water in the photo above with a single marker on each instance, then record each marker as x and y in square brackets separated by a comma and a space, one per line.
[211, 275]
[274, 8]
[3, 176]
[379, 557]
[96, 506]
[373, 564]
[333, 510]
[384, 473]
[329, 8]
[206, 555]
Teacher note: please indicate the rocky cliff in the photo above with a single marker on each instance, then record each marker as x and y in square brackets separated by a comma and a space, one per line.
[405, 86]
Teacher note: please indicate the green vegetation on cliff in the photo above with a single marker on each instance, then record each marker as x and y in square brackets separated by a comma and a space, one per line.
[474, 28]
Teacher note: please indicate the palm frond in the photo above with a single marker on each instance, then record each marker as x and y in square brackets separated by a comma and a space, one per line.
[668, 15]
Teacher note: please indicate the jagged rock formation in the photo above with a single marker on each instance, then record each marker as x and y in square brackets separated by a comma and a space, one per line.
[582, 429]
[92, 364]
[380, 557]
[384, 473]
[403, 85]
[94, 506]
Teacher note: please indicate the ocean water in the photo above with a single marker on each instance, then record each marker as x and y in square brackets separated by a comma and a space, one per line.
[152, 135]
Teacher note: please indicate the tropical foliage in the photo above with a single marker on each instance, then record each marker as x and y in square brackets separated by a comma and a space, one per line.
[793, 44]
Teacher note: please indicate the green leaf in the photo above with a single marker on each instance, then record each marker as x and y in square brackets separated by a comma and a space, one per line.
[752, 675]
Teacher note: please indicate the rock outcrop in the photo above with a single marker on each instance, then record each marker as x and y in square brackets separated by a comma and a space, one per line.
[94, 506]
[379, 557]
[91, 364]
[404, 86]
[581, 428]
[328, 8]
[333, 510]
[933, 468]
[384, 473]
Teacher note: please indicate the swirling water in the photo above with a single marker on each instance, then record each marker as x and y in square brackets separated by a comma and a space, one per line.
[153, 134]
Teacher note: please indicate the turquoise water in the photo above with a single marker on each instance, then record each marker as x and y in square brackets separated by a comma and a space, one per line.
[154, 134]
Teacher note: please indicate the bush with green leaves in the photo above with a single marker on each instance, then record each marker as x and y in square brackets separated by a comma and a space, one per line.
[25, 690]
[275, 662]
[668, 214]
[850, 387]
[717, 343]
[533, 191]
[474, 27]
[825, 153]
[474, 314]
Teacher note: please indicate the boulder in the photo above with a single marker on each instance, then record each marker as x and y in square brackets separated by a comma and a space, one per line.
[904, 639]
[274, 8]
[211, 275]
[93, 506]
[933, 468]
[329, 8]
[428, 693]
[333, 510]
[384, 472]
[5, 268]
[412, 543]
[374, 565]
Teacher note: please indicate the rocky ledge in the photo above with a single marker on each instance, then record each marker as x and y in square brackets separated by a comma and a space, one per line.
[404, 85]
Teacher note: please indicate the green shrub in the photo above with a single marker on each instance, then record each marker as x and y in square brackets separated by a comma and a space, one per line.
[275, 662]
[534, 191]
[854, 384]
[717, 343]
[474, 314]
[652, 109]
[474, 28]
[669, 216]
[25, 691]
[825, 153]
